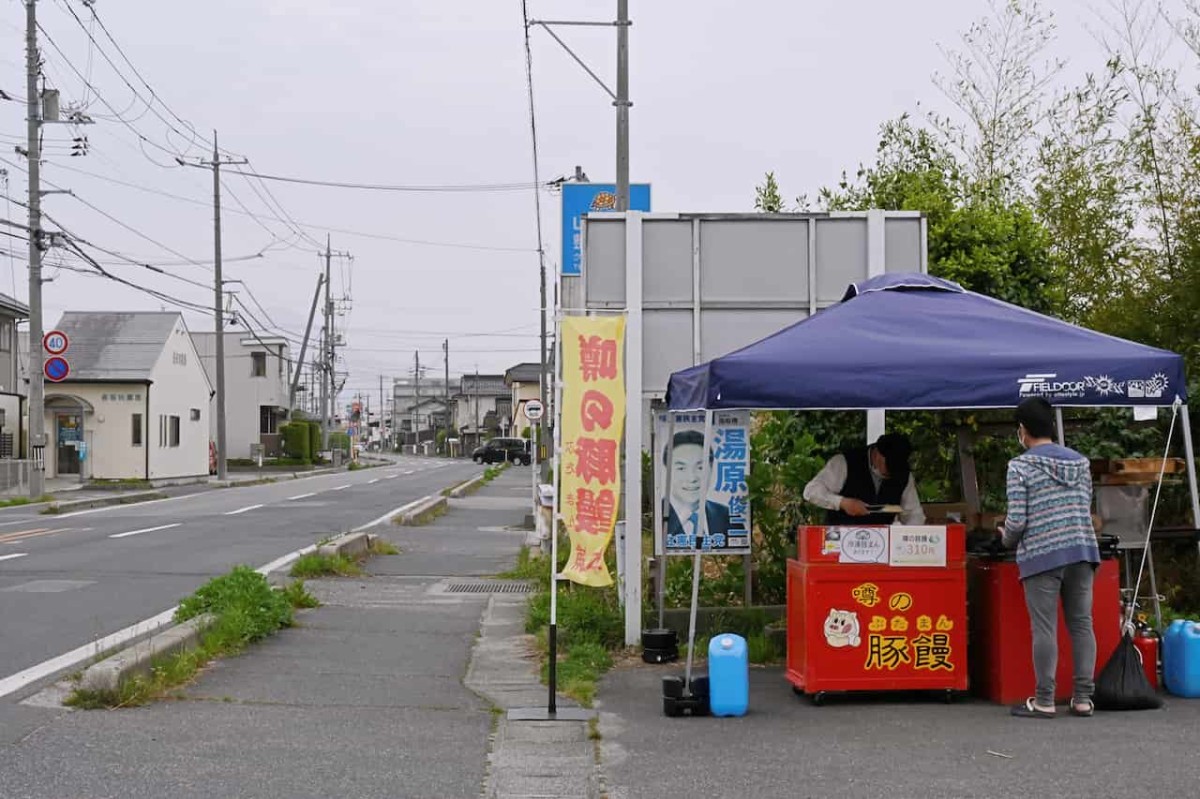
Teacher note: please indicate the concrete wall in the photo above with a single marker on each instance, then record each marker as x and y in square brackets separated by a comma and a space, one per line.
[180, 388]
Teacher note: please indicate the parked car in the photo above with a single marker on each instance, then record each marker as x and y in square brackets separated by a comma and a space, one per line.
[500, 450]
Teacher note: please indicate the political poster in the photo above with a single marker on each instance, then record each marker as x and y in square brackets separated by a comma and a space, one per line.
[726, 498]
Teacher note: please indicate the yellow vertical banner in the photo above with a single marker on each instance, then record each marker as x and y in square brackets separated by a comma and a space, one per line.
[593, 417]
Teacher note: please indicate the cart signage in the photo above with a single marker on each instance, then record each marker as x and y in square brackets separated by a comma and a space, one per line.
[917, 546]
[861, 544]
[727, 499]
[885, 630]
[593, 417]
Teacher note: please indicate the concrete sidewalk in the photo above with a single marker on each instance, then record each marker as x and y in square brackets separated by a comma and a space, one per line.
[363, 698]
[899, 747]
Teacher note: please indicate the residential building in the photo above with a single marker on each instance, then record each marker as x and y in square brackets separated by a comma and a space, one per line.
[524, 381]
[483, 408]
[258, 374]
[136, 403]
[13, 388]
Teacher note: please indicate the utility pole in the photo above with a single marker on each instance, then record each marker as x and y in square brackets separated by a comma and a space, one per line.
[327, 356]
[304, 343]
[37, 395]
[219, 302]
[382, 438]
[416, 420]
[449, 415]
[622, 103]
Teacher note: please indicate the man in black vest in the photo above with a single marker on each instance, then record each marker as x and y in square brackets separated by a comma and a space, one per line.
[857, 480]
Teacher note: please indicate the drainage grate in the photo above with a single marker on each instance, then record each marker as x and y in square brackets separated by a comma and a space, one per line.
[495, 587]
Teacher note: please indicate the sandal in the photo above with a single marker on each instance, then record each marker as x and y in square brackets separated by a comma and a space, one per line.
[1028, 710]
[1088, 708]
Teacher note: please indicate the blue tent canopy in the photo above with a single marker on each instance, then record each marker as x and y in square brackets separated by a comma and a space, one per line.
[914, 341]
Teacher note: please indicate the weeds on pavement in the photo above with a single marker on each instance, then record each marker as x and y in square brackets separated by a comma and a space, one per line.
[313, 565]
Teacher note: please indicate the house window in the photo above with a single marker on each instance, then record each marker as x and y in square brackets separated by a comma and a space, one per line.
[137, 430]
[258, 364]
[173, 437]
[268, 423]
[162, 430]
[6, 336]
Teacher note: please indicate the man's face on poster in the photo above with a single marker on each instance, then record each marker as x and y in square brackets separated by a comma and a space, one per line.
[687, 474]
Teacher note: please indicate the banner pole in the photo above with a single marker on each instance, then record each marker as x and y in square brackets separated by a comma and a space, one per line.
[555, 515]
[701, 533]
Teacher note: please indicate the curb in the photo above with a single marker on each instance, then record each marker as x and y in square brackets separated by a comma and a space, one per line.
[350, 545]
[409, 514]
[102, 502]
[469, 487]
[108, 675]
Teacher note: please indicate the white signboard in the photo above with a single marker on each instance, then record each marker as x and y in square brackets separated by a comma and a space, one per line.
[727, 500]
[918, 545]
[862, 544]
[533, 410]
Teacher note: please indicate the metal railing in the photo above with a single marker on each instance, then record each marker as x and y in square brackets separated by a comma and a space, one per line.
[14, 476]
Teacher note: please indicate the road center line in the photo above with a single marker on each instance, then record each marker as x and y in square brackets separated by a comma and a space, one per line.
[303, 496]
[243, 510]
[146, 530]
[373, 482]
[340, 488]
[16, 555]
[410, 472]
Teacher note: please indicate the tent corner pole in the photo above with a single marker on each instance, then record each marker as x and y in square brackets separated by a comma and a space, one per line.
[701, 533]
[661, 553]
[1190, 452]
[1062, 433]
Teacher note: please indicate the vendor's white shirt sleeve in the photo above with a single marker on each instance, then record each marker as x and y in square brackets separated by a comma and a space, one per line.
[823, 491]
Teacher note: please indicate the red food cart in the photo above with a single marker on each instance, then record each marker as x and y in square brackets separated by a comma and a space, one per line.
[878, 609]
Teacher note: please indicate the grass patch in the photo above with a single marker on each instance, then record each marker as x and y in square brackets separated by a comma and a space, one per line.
[246, 609]
[594, 729]
[381, 546]
[316, 565]
[14, 501]
[117, 485]
[580, 670]
[354, 466]
[761, 649]
[529, 567]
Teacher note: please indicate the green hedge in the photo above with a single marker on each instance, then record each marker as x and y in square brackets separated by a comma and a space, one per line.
[314, 437]
[295, 441]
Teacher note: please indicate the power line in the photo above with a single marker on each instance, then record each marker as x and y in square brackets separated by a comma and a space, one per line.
[475, 187]
[70, 244]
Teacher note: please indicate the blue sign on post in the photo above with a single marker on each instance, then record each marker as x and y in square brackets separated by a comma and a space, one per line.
[581, 198]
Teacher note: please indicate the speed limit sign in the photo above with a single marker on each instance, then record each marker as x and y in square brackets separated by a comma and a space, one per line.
[533, 410]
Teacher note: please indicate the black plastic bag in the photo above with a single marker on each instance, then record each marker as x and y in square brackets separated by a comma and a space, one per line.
[1122, 684]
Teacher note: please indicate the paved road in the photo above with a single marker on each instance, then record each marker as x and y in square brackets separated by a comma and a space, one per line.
[67, 580]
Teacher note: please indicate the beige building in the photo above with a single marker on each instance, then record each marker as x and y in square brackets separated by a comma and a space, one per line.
[524, 380]
[136, 403]
[258, 373]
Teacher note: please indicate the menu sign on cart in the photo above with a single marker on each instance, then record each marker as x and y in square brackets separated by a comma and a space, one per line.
[923, 545]
[859, 544]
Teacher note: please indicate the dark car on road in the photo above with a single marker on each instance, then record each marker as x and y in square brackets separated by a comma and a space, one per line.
[501, 450]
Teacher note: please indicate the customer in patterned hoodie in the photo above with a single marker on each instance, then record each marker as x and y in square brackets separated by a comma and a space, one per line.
[1049, 522]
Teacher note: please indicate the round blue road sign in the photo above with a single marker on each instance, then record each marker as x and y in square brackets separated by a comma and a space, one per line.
[57, 369]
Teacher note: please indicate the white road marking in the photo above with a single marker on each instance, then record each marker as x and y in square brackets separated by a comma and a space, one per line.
[410, 472]
[340, 488]
[146, 530]
[390, 476]
[243, 510]
[373, 482]
[279, 563]
[303, 496]
[10, 557]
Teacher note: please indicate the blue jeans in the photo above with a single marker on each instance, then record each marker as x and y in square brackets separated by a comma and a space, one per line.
[1042, 592]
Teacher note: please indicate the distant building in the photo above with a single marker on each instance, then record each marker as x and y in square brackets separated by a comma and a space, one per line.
[258, 374]
[524, 381]
[136, 404]
[482, 408]
[13, 388]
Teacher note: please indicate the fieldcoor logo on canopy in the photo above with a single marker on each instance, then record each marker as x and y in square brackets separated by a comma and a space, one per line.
[1045, 385]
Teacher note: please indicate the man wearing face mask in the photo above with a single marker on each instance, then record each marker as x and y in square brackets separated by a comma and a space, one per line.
[685, 459]
[863, 478]
[1049, 521]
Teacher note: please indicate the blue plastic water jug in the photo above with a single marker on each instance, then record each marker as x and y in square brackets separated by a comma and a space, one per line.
[1181, 658]
[728, 675]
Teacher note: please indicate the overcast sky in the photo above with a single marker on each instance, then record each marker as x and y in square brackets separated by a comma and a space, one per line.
[433, 93]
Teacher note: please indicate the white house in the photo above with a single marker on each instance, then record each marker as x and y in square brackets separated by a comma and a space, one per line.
[258, 373]
[135, 404]
[483, 407]
[13, 389]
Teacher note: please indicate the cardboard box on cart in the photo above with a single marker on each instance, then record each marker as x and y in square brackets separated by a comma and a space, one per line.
[878, 609]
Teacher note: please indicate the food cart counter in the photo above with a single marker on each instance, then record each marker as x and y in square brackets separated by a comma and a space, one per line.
[1001, 640]
[877, 609]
